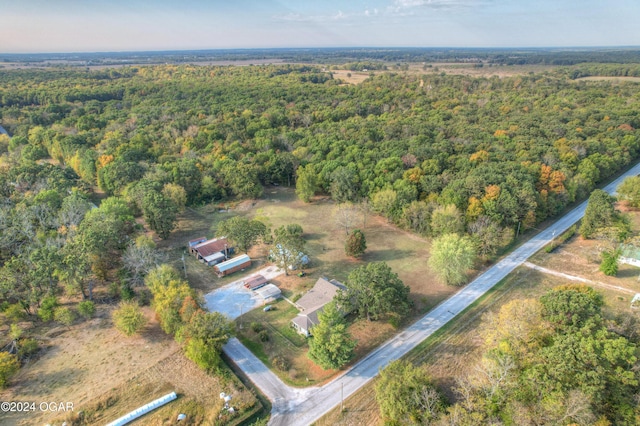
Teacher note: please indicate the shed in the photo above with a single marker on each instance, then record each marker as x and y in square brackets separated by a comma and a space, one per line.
[255, 282]
[214, 259]
[197, 241]
[232, 265]
[206, 248]
[269, 291]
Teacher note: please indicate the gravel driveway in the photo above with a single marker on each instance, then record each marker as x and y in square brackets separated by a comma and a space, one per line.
[234, 300]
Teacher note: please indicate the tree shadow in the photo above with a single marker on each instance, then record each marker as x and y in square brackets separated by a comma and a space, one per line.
[314, 236]
[628, 273]
[385, 255]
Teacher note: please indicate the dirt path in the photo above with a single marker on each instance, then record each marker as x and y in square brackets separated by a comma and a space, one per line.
[576, 278]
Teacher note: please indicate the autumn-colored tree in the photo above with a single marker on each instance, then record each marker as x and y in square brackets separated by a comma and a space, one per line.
[356, 244]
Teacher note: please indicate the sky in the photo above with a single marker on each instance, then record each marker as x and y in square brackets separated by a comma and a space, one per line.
[32, 26]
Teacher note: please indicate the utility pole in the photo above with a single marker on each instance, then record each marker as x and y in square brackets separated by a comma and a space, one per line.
[184, 265]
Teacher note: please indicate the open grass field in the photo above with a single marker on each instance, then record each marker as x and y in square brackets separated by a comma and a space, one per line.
[357, 77]
[404, 252]
[612, 79]
[105, 375]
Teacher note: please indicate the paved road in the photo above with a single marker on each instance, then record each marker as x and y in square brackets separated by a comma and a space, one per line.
[304, 406]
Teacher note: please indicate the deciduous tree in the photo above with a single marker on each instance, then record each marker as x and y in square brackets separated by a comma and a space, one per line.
[128, 318]
[630, 190]
[241, 232]
[288, 247]
[406, 395]
[374, 290]
[600, 213]
[451, 257]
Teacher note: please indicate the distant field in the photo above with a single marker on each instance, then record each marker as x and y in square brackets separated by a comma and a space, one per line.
[606, 78]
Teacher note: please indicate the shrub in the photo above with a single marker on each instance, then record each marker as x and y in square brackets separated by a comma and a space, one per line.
[609, 265]
[15, 312]
[264, 336]
[256, 327]
[87, 309]
[128, 318]
[9, 365]
[27, 347]
[47, 307]
[356, 244]
[114, 290]
[280, 363]
[64, 316]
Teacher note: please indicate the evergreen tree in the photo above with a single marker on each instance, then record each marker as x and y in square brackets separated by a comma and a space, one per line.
[331, 345]
[356, 244]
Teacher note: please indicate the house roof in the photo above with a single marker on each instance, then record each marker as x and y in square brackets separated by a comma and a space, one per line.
[209, 247]
[268, 291]
[307, 320]
[322, 293]
[232, 263]
[303, 323]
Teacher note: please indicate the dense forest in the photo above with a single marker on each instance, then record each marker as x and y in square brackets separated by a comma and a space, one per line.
[434, 153]
[475, 152]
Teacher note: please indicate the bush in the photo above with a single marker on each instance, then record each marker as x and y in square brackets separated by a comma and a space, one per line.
[129, 319]
[47, 307]
[256, 327]
[27, 347]
[264, 336]
[280, 363]
[15, 312]
[64, 316]
[87, 309]
[205, 356]
[144, 297]
[114, 290]
[9, 365]
[609, 265]
[126, 292]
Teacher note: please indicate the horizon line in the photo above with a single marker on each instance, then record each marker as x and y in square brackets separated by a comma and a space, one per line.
[248, 49]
